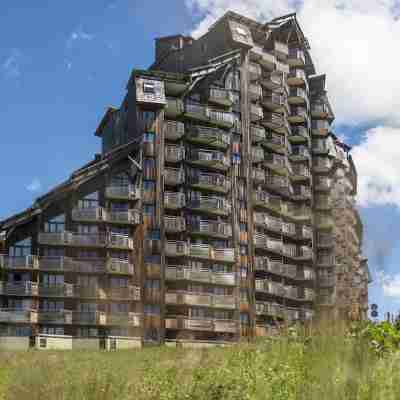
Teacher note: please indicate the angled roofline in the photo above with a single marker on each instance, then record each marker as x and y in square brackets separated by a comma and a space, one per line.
[104, 121]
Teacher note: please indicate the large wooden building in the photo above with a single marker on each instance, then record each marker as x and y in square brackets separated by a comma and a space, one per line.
[221, 207]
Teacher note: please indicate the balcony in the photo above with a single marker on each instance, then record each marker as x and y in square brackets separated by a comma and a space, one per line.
[299, 134]
[89, 318]
[225, 302]
[281, 51]
[174, 154]
[306, 274]
[24, 288]
[174, 108]
[275, 142]
[90, 292]
[176, 273]
[15, 316]
[323, 203]
[297, 96]
[300, 173]
[59, 317]
[273, 101]
[265, 243]
[224, 255]
[306, 232]
[26, 263]
[56, 264]
[256, 112]
[305, 253]
[282, 67]
[322, 164]
[272, 81]
[174, 176]
[276, 162]
[210, 136]
[296, 58]
[174, 224]
[322, 184]
[257, 154]
[210, 205]
[94, 214]
[298, 212]
[306, 294]
[320, 128]
[320, 146]
[200, 324]
[210, 159]
[226, 326]
[176, 249]
[257, 133]
[215, 229]
[277, 182]
[86, 265]
[121, 242]
[255, 92]
[173, 130]
[174, 201]
[301, 192]
[267, 60]
[289, 250]
[296, 77]
[325, 260]
[271, 309]
[324, 222]
[276, 122]
[129, 217]
[258, 175]
[201, 112]
[325, 239]
[265, 200]
[56, 290]
[124, 319]
[254, 71]
[130, 292]
[326, 280]
[300, 153]
[298, 115]
[320, 111]
[326, 300]
[86, 239]
[209, 181]
[118, 192]
[115, 266]
[220, 97]
[288, 229]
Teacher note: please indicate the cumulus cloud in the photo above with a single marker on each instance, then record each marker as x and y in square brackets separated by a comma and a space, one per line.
[78, 35]
[11, 67]
[34, 186]
[390, 284]
[378, 166]
[352, 41]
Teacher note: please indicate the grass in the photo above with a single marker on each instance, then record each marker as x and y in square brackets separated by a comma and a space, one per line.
[323, 367]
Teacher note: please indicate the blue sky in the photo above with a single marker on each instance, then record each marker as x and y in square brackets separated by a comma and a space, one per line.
[63, 63]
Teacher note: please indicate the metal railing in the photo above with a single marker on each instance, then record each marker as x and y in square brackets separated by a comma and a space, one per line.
[128, 192]
[174, 200]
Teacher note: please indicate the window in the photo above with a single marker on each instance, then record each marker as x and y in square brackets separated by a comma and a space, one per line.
[88, 307]
[119, 282]
[148, 137]
[152, 284]
[50, 305]
[244, 318]
[118, 332]
[149, 87]
[124, 231]
[51, 279]
[119, 206]
[88, 332]
[118, 308]
[120, 180]
[87, 229]
[87, 280]
[89, 201]
[50, 330]
[87, 254]
[56, 224]
[22, 248]
[119, 255]
[52, 252]
[152, 309]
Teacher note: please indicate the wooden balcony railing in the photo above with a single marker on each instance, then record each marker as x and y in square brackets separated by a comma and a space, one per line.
[211, 204]
[207, 135]
[211, 228]
[120, 192]
[129, 217]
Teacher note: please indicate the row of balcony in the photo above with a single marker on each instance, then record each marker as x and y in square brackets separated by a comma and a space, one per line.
[69, 317]
[200, 300]
[68, 264]
[276, 267]
[286, 291]
[181, 273]
[198, 112]
[119, 192]
[279, 311]
[201, 324]
[86, 240]
[278, 225]
[274, 203]
[286, 249]
[203, 251]
[32, 289]
[99, 214]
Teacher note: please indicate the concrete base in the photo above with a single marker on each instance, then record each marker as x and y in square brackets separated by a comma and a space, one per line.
[53, 342]
[197, 344]
[122, 343]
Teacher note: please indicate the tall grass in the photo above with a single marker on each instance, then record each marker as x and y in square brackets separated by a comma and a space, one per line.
[323, 367]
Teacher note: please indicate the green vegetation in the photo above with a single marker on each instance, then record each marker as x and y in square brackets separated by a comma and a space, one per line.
[363, 363]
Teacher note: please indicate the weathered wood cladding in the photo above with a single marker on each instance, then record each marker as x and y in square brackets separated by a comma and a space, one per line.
[227, 220]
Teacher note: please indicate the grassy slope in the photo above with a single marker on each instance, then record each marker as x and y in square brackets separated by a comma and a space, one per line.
[326, 368]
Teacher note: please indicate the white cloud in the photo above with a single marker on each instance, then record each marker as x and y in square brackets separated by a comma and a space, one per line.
[11, 67]
[390, 284]
[378, 165]
[78, 35]
[353, 41]
[34, 186]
